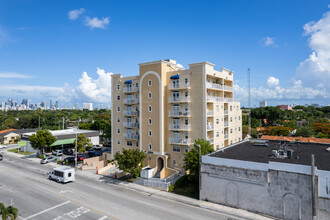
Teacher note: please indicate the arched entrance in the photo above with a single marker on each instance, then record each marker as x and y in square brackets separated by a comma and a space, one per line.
[160, 163]
[291, 207]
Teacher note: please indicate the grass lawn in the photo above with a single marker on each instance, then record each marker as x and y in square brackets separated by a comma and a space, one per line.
[185, 187]
[19, 152]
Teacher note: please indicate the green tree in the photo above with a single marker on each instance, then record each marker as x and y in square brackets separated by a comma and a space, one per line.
[82, 143]
[130, 161]
[191, 159]
[42, 139]
[305, 131]
[9, 211]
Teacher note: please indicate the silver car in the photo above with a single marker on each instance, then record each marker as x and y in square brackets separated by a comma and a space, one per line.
[2, 146]
[47, 160]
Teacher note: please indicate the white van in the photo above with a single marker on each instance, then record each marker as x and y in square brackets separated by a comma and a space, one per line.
[62, 174]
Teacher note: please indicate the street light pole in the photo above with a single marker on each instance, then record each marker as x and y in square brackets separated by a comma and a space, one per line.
[199, 168]
[75, 159]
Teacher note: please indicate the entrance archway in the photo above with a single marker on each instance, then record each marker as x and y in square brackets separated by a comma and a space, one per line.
[160, 163]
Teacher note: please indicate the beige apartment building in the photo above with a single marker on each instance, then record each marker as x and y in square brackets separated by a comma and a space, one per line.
[166, 107]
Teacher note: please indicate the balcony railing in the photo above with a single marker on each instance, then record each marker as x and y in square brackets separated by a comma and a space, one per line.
[209, 127]
[178, 113]
[214, 86]
[179, 127]
[180, 140]
[179, 99]
[131, 113]
[131, 136]
[131, 89]
[210, 140]
[228, 88]
[214, 99]
[226, 136]
[226, 112]
[131, 124]
[131, 101]
[209, 113]
[179, 86]
[228, 99]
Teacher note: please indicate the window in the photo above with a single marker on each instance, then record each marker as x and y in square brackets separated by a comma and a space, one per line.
[176, 149]
[149, 109]
[231, 119]
[118, 131]
[118, 141]
[118, 109]
[118, 87]
[149, 83]
[150, 146]
[186, 94]
[174, 162]
[186, 121]
[129, 143]
[186, 80]
[186, 108]
[69, 174]
[118, 119]
[231, 142]
[217, 121]
[237, 108]
[118, 97]
[217, 134]
[217, 108]
[149, 121]
[137, 144]
[231, 130]
[239, 128]
[231, 108]
[239, 118]
[149, 95]
[149, 133]
[136, 85]
[186, 135]
[217, 147]
[186, 149]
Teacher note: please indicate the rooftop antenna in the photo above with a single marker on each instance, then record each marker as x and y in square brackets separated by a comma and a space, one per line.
[249, 102]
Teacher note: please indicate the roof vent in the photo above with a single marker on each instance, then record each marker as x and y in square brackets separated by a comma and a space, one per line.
[328, 149]
[260, 143]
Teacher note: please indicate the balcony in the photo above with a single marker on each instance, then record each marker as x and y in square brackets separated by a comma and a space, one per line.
[214, 99]
[179, 113]
[131, 113]
[179, 99]
[214, 86]
[131, 124]
[177, 86]
[228, 99]
[131, 101]
[131, 89]
[209, 113]
[209, 127]
[226, 123]
[226, 136]
[210, 140]
[226, 112]
[228, 88]
[184, 141]
[179, 127]
[131, 136]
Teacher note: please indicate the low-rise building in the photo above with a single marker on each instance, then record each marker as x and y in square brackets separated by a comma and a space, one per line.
[270, 177]
[8, 136]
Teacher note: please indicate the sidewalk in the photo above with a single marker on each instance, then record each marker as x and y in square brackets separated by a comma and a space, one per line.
[239, 213]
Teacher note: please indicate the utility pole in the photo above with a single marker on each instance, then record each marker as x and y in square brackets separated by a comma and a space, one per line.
[199, 167]
[249, 101]
[39, 121]
[63, 122]
[314, 197]
[75, 159]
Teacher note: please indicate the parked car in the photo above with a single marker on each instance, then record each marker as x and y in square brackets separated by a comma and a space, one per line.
[81, 157]
[108, 149]
[57, 152]
[47, 160]
[97, 147]
[2, 146]
[70, 160]
[68, 151]
[94, 153]
[1, 157]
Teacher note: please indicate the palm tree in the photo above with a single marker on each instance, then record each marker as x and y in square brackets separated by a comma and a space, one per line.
[8, 212]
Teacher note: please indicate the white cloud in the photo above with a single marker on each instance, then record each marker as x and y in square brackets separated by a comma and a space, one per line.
[97, 23]
[9, 75]
[315, 70]
[97, 90]
[273, 91]
[269, 41]
[74, 14]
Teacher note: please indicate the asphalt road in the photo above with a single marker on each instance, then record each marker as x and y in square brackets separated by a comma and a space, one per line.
[26, 184]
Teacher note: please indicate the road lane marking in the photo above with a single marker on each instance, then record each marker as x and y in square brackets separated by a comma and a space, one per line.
[46, 210]
[66, 191]
[102, 218]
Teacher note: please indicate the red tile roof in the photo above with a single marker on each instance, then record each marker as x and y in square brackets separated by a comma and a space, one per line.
[299, 139]
[4, 131]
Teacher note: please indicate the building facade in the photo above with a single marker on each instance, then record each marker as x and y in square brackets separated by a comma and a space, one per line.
[165, 108]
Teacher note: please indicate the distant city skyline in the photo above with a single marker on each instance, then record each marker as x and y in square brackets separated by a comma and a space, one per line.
[67, 51]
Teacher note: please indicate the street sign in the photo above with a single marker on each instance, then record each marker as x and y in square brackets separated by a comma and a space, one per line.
[21, 143]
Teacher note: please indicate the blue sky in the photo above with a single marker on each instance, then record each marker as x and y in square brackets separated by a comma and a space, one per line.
[44, 50]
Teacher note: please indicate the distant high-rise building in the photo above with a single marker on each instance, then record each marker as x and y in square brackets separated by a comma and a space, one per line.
[50, 104]
[25, 102]
[263, 104]
[315, 105]
[88, 106]
[56, 104]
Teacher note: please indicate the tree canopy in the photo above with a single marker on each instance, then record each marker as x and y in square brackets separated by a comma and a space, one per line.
[42, 139]
[82, 143]
[191, 159]
[9, 211]
[130, 161]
